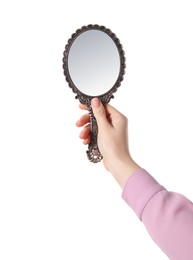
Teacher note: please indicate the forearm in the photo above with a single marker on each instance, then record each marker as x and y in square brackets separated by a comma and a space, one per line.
[167, 216]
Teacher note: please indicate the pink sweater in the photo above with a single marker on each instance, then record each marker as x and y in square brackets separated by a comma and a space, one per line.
[167, 216]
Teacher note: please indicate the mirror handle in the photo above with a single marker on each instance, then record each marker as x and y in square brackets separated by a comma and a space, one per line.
[93, 152]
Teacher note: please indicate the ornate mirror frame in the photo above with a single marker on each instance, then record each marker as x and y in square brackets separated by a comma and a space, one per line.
[93, 152]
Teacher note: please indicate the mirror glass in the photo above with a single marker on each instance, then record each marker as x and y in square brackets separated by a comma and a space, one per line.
[94, 62]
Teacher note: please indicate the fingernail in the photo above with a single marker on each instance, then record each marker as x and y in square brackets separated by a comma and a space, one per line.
[95, 102]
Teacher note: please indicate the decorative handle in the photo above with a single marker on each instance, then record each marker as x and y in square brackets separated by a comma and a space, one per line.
[93, 152]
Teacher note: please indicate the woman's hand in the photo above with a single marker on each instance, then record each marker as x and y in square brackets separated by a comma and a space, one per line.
[112, 139]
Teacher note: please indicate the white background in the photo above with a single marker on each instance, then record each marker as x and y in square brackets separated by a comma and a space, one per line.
[54, 203]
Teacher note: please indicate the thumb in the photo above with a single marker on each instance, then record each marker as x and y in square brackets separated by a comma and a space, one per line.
[99, 111]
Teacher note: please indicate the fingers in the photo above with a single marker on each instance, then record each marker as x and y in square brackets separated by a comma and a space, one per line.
[104, 114]
[85, 134]
[82, 106]
[85, 119]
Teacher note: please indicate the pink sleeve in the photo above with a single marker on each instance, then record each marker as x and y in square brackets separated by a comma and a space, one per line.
[167, 216]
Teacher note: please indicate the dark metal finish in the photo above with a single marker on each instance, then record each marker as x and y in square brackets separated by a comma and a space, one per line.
[93, 152]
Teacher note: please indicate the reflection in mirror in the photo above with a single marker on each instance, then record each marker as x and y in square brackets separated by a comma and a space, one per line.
[94, 65]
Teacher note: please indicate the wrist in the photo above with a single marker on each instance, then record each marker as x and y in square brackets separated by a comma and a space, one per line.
[122, 169]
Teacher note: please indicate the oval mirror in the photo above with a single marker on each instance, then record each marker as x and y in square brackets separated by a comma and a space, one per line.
[94, 65]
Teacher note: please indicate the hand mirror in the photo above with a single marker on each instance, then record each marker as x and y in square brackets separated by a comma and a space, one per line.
[94, 65]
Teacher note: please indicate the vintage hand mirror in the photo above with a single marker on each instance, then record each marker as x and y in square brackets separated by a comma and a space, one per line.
[94, 65]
